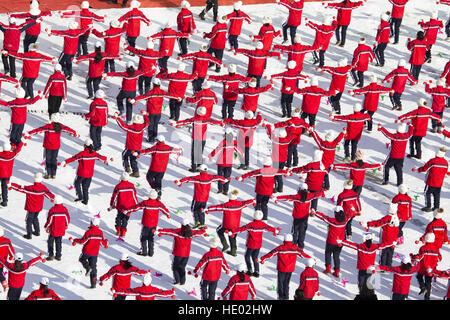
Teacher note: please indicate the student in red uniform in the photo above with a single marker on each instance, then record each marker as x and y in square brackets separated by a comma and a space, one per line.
[135, 133]
[438, 227]
[431, 29]
[327, 145]
[232, 210]
[239, 286]
[287, 255]
[309, 281]
[55, 90]
[339, 76]
[85, 172]
[211, 262]
[253, 244]
[236, 18]
[398, 10]
[202, 187]
[218, 36]
[266, 33]
[121, 274]
[160, 154]
[98, 118]
[419, 119]
[44, 292]
[147, 291]
[294, 18]
[34, 202]
[404, 209]
[437, 169]
[295, 52]
[58, 220]
[181, 248]
[7, 157]
[382, 39]
[301, 212]
[17, 271]
[186, 24]
[324, 32]
[348, 199]
[401, 76]
[344, 16]
[52, 142]
[362, 56]
[92, 240]
[439, 94]
[251, 94]
[150, 217]
[443, 274]
[205, 97]
[134, 17]
[122, 199]
[418, 48]
[6, 253]
[112, 38]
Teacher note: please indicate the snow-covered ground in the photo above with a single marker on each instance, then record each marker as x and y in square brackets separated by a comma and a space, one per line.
[65, 276]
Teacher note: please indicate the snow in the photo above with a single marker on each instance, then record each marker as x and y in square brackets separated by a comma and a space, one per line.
[65, 276]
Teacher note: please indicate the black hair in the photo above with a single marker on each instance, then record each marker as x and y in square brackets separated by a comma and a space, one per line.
[45, 288]
[130, 71]
[420, 35]
[368, 243]
[407, 266]
[126, 264]
[229, 137]
[98, 54]
[299, 294]
[57, 127]
[303, 194]
[18, 266]
[90, 148]
[340, 216]
[359, 162]
[186, 231]
[241, 275]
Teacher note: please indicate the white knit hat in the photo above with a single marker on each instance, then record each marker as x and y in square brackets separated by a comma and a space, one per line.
[34, 4]
[362, 41]
[406, 259]
[434, 15]
[185, 4]
[12, 20]
[441, 152]
[233, 195]
[348, 184]
[135, 4]
[310, 262]
[384, 17]
[186, 221]
[115, 23]
[314, 81]
[206, 85]
[73, 25]
[88, 142]
[237, 5]
[241, 267]
[401, 128]
[124, 176]
[161, 138]
[147, 279]
[181, 67]
[6, 146]
[259, 45]
[258, 215]
[327, 20]
[297, 39]
[367, 236]
[267, 162]
[232, 68]
[317, 156]
[58, 68]
[401, 63]
[343, 62]
[403, 188]
[55, 117]
[18, 256]
[292, 64]
[422, 102]
[201, 111]
[266, 20]
[95, 221]
[329, 136]
[373, 78]
[138, 119]
[438, 213]
[130, 64]
[430, 237]
[150, 44]
[34, 11]
[156, 81]
[304, 186]
[85, 5]
[58, 199]
[124, 257]
[249, 114]
[20, 93]
[44, 281]
[214, 242]
[288, 237]
[100, 94]
[38, 177]
[252, 83]
[221, 19]
[357, 107]
[203, 167]
[393, 208]
[153, 194]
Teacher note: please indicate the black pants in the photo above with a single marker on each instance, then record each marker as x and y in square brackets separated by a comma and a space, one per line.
[197, 147]
[14, 293]
[214, 5]
[292, 32]
[341, 34]
[400, 228]
[54, 103]
[395, 28]
[110, 66]
[396, 99]
[82, 188]
[250, 256]
[447, 28]
[208, 289]
[174, 107]
[92, 85]
[126, 95]
[354, 147]
[320, 58]
[262, 202]
[218, 53]
[335, 102]
[51, 161]
[292, 155]
[314, 202]
[398, 167]
[311, 118]
[162, 63]
[2, 277]
[129, 160]
[283, 280]
[434, 123]
[28, 40]
[278, 186]
[54, 242]
[121, 220]
[221, 233]
[358, 77]
[425, 284]
[428, 53]
[415, 145]
[348, 227]
[9, 65]
[27, 85]
[286, 104]
[228, 109]
[15, 135]
[357, 189]
[415, 71]
[90, 262]
[179, 269]
[233, 41]
[333, 250]
[197, 84]
[131, 41]
[363, 275]
[183, 44]
[66, 64]
[386, 256]
[4, 189]
[144, 83]
[82, 45]
[398, 296]
[436, 192]
[299, 227]
[32, 222]
[246, 160]
[379, 53]
[95, 133]
[226, 173]
[197, 210]
[147, 240]
[154, 179]
[369, 122]
[152, 129]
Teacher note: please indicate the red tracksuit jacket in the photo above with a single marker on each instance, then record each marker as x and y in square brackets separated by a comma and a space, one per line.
[294, 127]
[311, 98]
[398, 8]
[56, 85]
[11, 35]
[181, 245]
[218, 36]
[185, 21]
[230, 84]
[399, 142]
[338, 77]
[232, 211]
[257, 59]
[85, 16]
[16, 279]
[160, 153]
[309, 282]
[92, 240]
[225, 153]
[440, 94]
[295, 12]
[202, 184]
[443, 274]
[6, 249]
[436, 169]
[134, 17]
[371, 94]
[204, 98]
[295, 52]
[86, 162]
[439, 228]
[129, 82]
[301, 208]
[239, 290]
[58, 219]
[316, 172]
[35, 195]
[362, 55]
[167, 39]
[418, 49]
[148, 59]
[52, 139]
[401, 75]
[148, 292]
[155, 98]
[212, 262]
[324, 33]
[389, 232]
[428, 256]
[336, 230]
[237, 18]
[112, 38]
[279, 146]
[383, 32]
[19, 108]
[178, 82]
[96, 69]
[251, 97]
[419, 118]
[201, 62]
[246, 128]
[431, 29]
[31, 62]
[404, 206]
[71, 37]
[151, 209]
[287, 256]
[289, 80]
[446, 74]
[266, 35]
[366, 255]
[344, 9]
[122, 276]
[135, 133]
[265, 179]
[98, 113]
[199, 126]
[355, 124]
[39, 295]
[402, 277]
[255, 230]
[357, 173]
[35, 30]
[124, 196]
[349, 201]
[328, 148]
[7, 161]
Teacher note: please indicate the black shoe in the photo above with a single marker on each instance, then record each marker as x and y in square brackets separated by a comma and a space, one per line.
[411, 155]
[84, 202]
[249, 273]
[218, 69]
[422, 291]
[176, 282]
[58, 258]
[37, 234]
[182, 283]
[27, 236]
[427, 209]
[384, 183]
[77, 199]
[140, 253]
[69, 78]
[90, 97]
[192, 170]
[256, 274]
[49, 258]
[4, 203]
[202, 15]
[241, 167]
[93, 286]
[150, 254]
